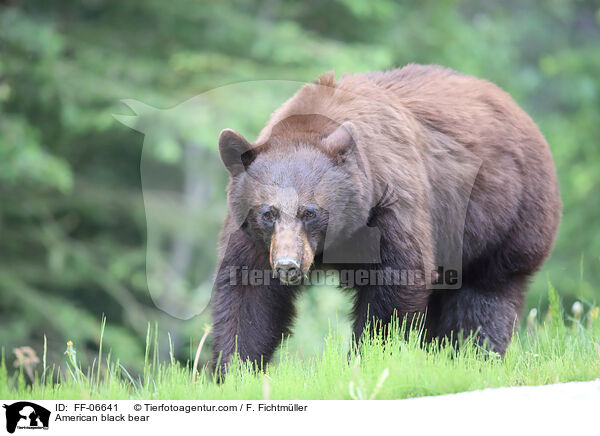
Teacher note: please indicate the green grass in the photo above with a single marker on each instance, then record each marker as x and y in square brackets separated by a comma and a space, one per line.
[549, 352]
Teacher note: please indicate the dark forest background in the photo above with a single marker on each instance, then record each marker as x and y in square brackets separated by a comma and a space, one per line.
[72, 218]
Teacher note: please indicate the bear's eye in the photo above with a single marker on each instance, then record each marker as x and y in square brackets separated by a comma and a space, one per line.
[309, 213]
[267, 214]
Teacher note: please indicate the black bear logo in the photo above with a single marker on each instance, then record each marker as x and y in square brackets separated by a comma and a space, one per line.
[28, 415]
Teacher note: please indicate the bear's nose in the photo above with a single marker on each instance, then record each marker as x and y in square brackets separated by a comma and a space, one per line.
[288, 270]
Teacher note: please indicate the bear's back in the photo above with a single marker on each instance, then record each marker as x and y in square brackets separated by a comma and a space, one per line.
[470, 110]
[516, 173]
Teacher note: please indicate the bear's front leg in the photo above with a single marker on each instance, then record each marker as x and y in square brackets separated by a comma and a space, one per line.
[399, 284]
[251, 310]
[379, 304]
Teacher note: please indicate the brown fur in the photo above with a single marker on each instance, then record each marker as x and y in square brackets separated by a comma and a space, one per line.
[414, 136]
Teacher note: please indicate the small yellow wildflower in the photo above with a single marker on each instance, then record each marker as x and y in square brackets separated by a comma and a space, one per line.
[69, 343]
[595, 312]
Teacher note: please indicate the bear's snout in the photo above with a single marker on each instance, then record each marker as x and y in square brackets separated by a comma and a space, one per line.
[288, 270]
[287, 253]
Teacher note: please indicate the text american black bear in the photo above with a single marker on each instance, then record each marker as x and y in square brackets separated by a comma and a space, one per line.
[445, 166]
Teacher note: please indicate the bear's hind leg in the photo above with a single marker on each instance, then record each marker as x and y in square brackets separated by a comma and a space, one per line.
[491, 311]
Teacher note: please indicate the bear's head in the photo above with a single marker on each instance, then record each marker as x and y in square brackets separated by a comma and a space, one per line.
[288, 192]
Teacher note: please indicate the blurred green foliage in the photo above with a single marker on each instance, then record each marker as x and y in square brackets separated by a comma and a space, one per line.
[72, 222]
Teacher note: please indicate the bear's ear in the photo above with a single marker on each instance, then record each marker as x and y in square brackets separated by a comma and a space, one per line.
[340, 143]
[236, 153]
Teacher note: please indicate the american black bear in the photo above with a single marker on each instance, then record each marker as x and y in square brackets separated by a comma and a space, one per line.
[445, 166]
